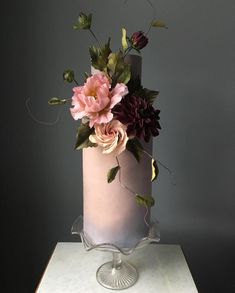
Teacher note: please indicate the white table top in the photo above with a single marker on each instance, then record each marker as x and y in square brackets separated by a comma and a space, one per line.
[162, 269]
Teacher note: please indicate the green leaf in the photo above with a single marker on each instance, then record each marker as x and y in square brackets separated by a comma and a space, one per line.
[99, 56]
[135, 147]
[119, 70]
[159, 24]
[112, 174]
[155, 170]
[145, 200]
[125, 74]
[68, 75]
[84, 22]
[57, 101]
[148, 95]
[113, 59]
[83, 133]
[124, 39]
[94, 53]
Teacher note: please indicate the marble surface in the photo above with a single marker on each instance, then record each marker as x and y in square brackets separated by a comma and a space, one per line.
[162, 268]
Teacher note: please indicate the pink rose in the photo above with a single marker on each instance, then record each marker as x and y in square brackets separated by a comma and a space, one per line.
[111, 137]
[95, 99]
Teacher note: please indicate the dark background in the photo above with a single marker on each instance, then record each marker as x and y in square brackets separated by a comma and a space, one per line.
[191, 64]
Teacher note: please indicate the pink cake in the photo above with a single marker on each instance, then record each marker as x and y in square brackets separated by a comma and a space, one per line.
[117, 122]
[111, 214]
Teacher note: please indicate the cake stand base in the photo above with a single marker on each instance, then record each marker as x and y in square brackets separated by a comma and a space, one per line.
[117, 274]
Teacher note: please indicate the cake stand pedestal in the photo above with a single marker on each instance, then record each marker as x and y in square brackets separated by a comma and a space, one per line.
[116, 274]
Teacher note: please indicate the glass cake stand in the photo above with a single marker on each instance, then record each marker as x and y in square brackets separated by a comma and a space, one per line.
[116, 274]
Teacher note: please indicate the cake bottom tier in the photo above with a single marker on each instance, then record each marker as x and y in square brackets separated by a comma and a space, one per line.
[111, 214]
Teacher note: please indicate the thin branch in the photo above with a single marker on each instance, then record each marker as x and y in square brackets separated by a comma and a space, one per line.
[160, 163]
[172, 174]
[127, 51]
[134, 193]
[75, 81]
[153, 17]
[93, 34]
[145, 216]
[122, 185]
[46, 123]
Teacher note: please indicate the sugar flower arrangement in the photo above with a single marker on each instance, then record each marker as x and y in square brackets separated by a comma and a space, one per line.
[116, 111]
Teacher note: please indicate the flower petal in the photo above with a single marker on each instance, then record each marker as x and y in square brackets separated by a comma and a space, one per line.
[118, 93]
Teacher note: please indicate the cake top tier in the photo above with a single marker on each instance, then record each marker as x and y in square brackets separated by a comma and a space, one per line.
[116, 111]
[135, 62]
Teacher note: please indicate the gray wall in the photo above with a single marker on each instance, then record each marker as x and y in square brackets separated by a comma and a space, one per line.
[191, 64]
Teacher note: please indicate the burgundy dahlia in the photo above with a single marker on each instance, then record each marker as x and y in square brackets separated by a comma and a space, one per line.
[140, 117]
[139, 40]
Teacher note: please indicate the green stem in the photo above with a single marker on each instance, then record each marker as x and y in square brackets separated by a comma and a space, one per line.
[127, 51]
[154, 15]
[120, 176]
[40, 121]
[160, 163]
[75, 81]
[93, 34]
[150, 26]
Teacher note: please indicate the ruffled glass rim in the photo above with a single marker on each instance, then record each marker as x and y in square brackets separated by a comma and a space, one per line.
[153, 236]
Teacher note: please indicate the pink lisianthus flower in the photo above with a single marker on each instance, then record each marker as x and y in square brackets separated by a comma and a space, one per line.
[112, 137]
[95, 99]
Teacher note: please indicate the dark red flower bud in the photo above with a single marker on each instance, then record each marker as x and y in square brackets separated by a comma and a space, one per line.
[139, 40]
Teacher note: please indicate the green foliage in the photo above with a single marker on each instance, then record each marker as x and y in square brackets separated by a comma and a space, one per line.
[83, 133]
[159, 24]
[134, 146]
[155, 170]
[119, 71]
[68, 75]
[145, 200]
[112, 174]
[84, 22]
[135, 88]
[124, 39]
[123, 73]
[111, 63]
[57, 101]
[99, 56]
[148, 95]
[113, 60]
